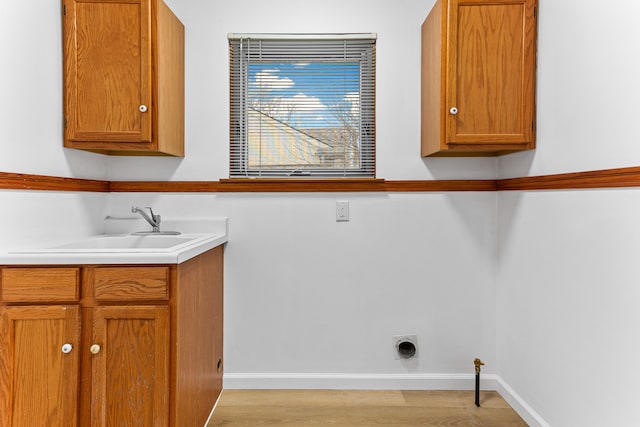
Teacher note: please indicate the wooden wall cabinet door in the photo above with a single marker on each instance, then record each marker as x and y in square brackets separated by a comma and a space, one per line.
[478, 77]
[123, 77]
[129, 352]
[39, 360]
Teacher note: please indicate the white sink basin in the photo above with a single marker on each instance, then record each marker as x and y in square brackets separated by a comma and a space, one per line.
[123, 243]
[119, 249]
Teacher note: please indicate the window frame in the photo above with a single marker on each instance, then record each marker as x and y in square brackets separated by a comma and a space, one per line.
[240, 58]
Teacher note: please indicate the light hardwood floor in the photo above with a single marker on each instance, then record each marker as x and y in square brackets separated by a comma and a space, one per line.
[362, 408]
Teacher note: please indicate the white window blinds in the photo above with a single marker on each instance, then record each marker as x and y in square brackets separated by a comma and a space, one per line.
[302, 105]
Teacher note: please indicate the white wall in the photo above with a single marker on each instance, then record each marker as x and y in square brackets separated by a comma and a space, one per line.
[588, 83]
[31, 131]
[304, 294]
[207, 24]
[567, 293]
[307, 295]
[564, 289]
[567, 304]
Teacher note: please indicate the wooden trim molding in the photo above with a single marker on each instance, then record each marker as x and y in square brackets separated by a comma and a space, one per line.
[607, 178]
[441, 185]
[301, 186]
[19, 181]
[164, 186]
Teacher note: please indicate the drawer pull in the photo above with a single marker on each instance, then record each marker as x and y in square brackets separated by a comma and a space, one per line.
[95, 349]
[66, 348]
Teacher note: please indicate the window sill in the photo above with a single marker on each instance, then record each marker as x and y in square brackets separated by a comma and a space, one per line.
[302, 184]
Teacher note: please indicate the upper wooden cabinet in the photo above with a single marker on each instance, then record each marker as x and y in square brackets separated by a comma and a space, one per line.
[479, 77]
[123, 77]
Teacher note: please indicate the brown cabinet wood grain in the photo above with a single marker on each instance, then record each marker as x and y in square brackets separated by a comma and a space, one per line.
[131, 283]
[130, 370]
[123, 77]
[478, 77]
[38, 381]
[59, 284]
[145, 344]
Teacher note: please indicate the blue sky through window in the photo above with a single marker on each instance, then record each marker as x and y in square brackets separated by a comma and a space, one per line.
[306, 95]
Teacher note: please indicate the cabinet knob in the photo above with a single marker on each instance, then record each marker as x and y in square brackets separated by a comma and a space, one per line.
[143, 108]
[453, 110]
[66, 348]
[95, 349]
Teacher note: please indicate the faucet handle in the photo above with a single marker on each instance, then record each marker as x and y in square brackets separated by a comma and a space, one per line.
[155, 217]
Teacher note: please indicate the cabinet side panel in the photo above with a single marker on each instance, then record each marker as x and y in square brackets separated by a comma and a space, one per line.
[431, 91]
[69, 68]
[198, 346]
[530, 74]
[169, 90]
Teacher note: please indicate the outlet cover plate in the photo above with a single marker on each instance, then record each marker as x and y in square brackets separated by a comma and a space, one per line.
[342, 210]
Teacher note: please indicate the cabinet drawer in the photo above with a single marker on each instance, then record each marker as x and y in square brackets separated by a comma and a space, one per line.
[40, 284]
[131, 283]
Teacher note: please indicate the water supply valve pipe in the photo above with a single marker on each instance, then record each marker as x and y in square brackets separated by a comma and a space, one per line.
[477, 362]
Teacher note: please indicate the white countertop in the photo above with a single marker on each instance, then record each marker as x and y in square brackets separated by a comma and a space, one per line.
[211, 233]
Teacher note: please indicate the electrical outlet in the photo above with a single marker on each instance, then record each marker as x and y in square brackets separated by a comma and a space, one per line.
[342, 210]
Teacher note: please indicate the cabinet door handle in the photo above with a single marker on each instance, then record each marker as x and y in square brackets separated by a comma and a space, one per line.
[95, 349]
[143, 108]
[453, 110]
[66, 348]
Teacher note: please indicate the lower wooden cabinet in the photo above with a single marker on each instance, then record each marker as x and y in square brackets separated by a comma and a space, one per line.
[136, 346]
[39, 365]
[129, 350]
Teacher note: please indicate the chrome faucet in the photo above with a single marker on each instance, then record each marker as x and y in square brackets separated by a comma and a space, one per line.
[153, 220]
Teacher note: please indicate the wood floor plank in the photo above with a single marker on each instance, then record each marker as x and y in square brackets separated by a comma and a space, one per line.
[348, 408]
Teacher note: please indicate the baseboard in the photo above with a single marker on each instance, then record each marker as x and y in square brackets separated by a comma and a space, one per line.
[308, 381]
[358, 381]
[526, 412]
[215, 405]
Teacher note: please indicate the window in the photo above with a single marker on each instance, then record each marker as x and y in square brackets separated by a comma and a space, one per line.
[302, 105]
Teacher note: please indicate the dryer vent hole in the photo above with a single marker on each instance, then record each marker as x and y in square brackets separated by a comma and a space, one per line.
[406, 349]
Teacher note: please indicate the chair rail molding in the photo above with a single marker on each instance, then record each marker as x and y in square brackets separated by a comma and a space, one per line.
[605, 178]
